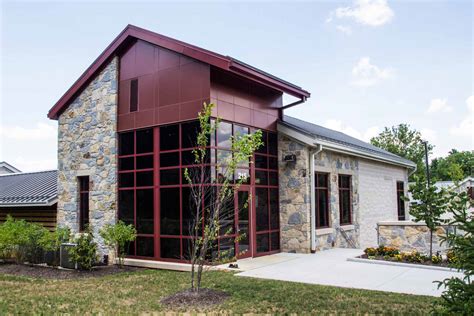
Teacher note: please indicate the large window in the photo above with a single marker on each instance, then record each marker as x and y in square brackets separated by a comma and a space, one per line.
[136, 188]
[400, 201]
[155, 196]
[83, 202]
[322, 199]
[345, 200]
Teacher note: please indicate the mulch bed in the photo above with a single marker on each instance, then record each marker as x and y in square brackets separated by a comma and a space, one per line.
[203, 298]
[39, 271]
[425, 263]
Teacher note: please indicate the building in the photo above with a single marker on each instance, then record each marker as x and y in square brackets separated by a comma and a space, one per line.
[6, 168]
[31, 196]
[125, 137]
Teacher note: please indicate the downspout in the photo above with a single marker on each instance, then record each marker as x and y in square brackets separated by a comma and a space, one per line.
[312, 155]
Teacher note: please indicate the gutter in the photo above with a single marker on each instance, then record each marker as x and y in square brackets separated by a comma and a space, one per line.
[46, 203]
[312, 155]
[303, 100]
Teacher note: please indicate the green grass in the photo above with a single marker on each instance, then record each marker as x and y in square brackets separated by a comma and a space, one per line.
[141, 292]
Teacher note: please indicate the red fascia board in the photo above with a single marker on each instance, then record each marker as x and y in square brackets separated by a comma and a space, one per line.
[132, 32]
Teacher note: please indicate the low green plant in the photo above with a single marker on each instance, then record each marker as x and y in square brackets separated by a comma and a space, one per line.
[436, 259]
[451, 257]
[84, 254]
[51, 243]
[20, 240]
[370, 252]
[117, 237]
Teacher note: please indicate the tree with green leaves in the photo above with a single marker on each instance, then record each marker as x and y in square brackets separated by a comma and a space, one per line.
[405, 142]
[118, 237]
[212, 195]
[458, 298]
[455, 167]
[428, 206]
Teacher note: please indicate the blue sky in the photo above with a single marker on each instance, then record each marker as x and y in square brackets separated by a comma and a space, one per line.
[367, 63]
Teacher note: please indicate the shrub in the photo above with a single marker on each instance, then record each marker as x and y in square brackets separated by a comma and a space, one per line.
[436, 258]
[20, 240]
[118, 237]
[84, 254]
[451, 257]
[370, 252]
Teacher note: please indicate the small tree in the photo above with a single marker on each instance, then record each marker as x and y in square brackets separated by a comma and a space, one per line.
[458, 299]
[429, 204]
[117, 237]
[211, 196]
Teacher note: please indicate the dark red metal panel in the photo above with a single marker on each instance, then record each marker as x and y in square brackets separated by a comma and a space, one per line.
[165, 59]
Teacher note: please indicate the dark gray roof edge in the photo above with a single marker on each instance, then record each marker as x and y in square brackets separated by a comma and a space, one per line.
[25, 173]
[369, 149]
[10, 167]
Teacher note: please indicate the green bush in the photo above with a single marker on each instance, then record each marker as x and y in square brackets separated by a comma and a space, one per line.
[84, 254]
[20, 240]
[118, 237]
[51, 243]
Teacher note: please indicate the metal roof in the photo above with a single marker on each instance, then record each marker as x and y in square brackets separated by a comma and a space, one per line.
[9, 167]
[29, 189]
[338, 138]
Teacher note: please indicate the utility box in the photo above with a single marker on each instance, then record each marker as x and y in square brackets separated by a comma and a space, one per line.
[65, 258]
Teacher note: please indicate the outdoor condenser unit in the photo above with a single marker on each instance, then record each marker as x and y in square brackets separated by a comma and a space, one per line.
[65, 258]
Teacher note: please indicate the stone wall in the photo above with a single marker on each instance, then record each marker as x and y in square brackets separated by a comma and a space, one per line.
[87, 146]
[295, 225]
[335, 164]
[409, 236]
[378, 197]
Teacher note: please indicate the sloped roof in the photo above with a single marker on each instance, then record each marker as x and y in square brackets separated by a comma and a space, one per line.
[29, 189]
[132, 33]
[337, 138]
[9, 167]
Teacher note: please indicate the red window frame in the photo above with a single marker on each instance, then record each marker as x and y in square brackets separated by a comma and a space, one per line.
[183, 237]
[84, 184]
[319, 190]
[400, 201]
[341, 197]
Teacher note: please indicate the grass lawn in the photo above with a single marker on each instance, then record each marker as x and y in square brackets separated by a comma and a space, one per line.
[141, 292]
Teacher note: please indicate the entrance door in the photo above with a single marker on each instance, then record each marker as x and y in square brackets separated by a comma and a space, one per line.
[243, 206]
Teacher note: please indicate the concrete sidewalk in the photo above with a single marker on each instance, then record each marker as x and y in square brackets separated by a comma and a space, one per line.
[331, 267]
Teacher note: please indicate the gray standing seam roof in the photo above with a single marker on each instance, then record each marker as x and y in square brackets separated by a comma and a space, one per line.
[333, 136]
[29, 189]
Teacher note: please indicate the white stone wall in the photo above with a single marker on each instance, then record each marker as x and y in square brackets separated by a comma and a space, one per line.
[378, 197]
[87, 146]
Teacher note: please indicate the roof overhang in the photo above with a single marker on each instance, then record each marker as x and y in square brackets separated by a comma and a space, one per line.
[313, 141]
[33, 204]
[132, 33]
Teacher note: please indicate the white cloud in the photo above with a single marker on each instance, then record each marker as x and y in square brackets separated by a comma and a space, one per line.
[367, 12]
[365, 74]
[41, 131]
[344, 29]
[349, 130]
[439, 105]
[428, 134]
[466, 127]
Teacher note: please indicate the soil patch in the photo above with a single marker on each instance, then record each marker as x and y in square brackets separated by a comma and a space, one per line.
[203, 298]
[39, 271]
[424, 263]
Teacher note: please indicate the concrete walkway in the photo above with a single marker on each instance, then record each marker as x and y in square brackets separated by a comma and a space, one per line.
[331, 267]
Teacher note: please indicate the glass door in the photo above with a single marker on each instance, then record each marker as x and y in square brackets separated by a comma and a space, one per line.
[243, 204]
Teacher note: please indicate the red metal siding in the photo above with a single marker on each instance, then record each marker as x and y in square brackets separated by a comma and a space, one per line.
[242, 101]
[171, 87]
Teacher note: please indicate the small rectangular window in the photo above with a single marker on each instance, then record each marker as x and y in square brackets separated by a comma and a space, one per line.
[322, 199]
[134, 95]
[400, 201]
[345, 203]
[83, 202]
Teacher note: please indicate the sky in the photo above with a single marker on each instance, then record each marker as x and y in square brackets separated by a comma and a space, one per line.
[368, 64]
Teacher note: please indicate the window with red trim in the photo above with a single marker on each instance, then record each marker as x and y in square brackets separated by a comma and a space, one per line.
[83, 202]
[322, 199]
[345, 199]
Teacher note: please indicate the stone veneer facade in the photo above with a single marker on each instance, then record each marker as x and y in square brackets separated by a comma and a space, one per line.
[374, 198]
[335, 164]
[295, 205]
[87, 146]
[409, 236]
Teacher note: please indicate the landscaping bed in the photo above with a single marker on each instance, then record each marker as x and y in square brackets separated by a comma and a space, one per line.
[47, 272]
[392, 254]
